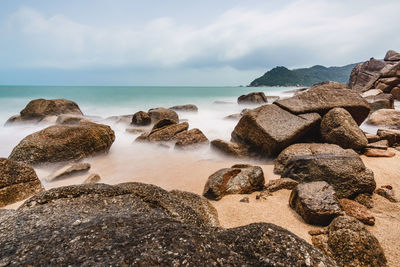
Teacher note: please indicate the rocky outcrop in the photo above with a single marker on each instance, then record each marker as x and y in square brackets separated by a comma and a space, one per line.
[392, 55]
[68, 170]
[392, 136]
[190, 139]
[17, 182]
[385, 117]
[320, 99]
[63, 143]
[338, 127]
[381, 101]
[315, 202]
[364, 76]
[230, 148]
[349, 243]
[253, 98]
[185, 108]
[356, 210]
[235, 180]
[157, 114]
[92, 225]
[270, 129]
[141, 118]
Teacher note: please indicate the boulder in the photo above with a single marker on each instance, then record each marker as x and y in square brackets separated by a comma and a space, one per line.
[382, 144]
[141, 118]
[364, 75]
[269, 129]
[392, 55]
[320, 100]
[162, 123]
[365, 200]
[387, 84]
[331, 85]
[166, 133]
[67, 119]
[346, 173]
[382, 101]
[191, 138]
[253, 98]
[396, 93]
[338, 127]
[230, 148]
[186, 108]
[315, 202]
[63, 143]
[157, 114]
[373, 152]
[235, 180]
[385, 117]
[372, 92]
[386, 191]
[308, 149]
[92, 179]
[68, 170]
[17, 182]
[140, 225]
[392, 136]
[281, 183]
[356, 210]
[349, 243]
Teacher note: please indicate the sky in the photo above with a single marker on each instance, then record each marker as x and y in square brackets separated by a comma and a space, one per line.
[199, 43]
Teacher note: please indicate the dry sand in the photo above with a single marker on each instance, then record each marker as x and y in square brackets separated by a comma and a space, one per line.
[189, 172]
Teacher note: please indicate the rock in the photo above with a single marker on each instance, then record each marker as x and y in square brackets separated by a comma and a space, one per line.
[142, 137]
[270, 129]
[372, 138]
[365, 199]
[346, 173]
[124, 119]
[382, 101]
[396, 93]
[140, 225]
[17, 182]
[356, 210]
[166, 133]
[218, 102]
[392, 55]
[141, 118]
[364, 75]
[186, 108]
[63, 143]
[330, 85]
[273, 98]
[321, 100]
[157, 114]
[338, 127]
[315, 202]
[372, 92]
[392, 136]
[387, 84]
[308, 149]
[253, 98]
[162, 123]
[245, 200]
[190, 139]
[135, 130]
[92, 179]
[282, 183]
[385, 117]
[68, 170]
[66, 119]
[234, 181]
[230, 148]
[382, 144]
[386, 191]
[263, 195]
[235, 116]
[349, 243]
[373, 152]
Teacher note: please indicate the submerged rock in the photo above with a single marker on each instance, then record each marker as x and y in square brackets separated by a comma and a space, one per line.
[190, 139]
[253, 98]
[141, 118]
[71, 119]
[230, 148]
[186, 108]
[64, 143]
[67, 170]
[17, 182]
[166, 133]
[382, 101]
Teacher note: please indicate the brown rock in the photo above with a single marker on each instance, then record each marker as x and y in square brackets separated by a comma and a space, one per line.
[135, 130]
[372, 138]
[382, 144]
[382, 101]
[270, 129]
[68, 170]
[245, 200]
[373, 152]
[166, 133]
[64, 143]
[234, 181]
[191, 138]
[186, 108]
[392, 55]
[17, 182]
[321, 100]
[66, 119]
[229, 148]
[123, 119]
[365, 199]
[385, 117]
[315, 202]
[386, 191]
[393, 136]
[396, 93]
[162, 123]
[141, 118]
[157, 114]
[356, 210]
[338, 127]
[364, 75]
[330, 85]
[282, 183]
[372, 92]
[253, 98]
[92, 179]
[142, 137]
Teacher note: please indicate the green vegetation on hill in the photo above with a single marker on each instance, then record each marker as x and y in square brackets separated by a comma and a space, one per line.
[281, 76]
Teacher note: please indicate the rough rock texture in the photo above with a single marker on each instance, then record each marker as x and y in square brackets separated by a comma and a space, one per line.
[235, 180]
[17, 182]
[166, 133]
[382, 144]
[67, 170]
[190, 139]
[382, 101]
[63, 143]
[253, 98]
[349, 243]
[321, 100]
[67, 119]
[331, 85]
[346, 173]
[386, 191]
[338, 127]
[373, 152]
[315, 202]
[371, 93]
[281, 183]
[270, 129]
[92, 179]
[162, 123]
[356, 210]
[141, 118]
[230, 148]
[392, 55]
[94, 225]
[365, 200]
[187, 108]
[385, 117]
[396, 93]
[392, 136]
[308, 149]
[123, 119]
[364, 75]
[157, 114]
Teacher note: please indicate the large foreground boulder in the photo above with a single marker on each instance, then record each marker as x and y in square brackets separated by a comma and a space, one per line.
[270, 129]
[349, 243]
[338, 127]
[140, 225]
[63, 143]
[253, 98]
[320, 99]
[385, 117]
[17, 182]
[236, 180]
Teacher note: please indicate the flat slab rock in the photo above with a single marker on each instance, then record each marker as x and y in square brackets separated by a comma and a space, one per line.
[93, 225]
[67, 170]
[230, 148]
[356, 210]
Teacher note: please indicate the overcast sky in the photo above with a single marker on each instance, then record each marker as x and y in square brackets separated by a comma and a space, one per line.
[171, 42]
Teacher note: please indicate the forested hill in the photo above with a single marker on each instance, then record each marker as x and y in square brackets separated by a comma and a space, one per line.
[281, 76]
